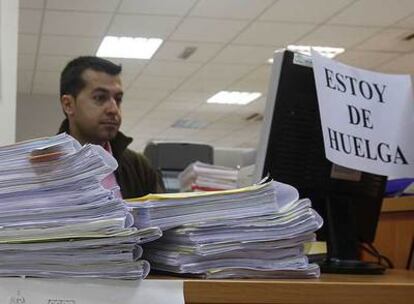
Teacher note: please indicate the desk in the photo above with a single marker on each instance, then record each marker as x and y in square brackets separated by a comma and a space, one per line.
[395, 287]
[395, 231]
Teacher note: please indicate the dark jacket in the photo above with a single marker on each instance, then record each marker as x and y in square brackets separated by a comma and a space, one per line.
[134, 174]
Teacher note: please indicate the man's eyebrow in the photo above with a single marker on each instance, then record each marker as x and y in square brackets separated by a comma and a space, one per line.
[103, 90]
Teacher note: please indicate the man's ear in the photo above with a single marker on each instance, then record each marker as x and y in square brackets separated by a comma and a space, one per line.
[68, 104]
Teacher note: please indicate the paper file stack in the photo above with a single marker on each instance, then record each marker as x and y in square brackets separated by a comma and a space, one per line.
[200, 176]
[258, 231]
[58, 221]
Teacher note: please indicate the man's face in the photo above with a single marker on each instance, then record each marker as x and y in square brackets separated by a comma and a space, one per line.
[95, 114]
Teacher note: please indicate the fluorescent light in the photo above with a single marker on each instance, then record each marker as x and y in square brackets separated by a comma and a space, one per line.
[190, 124]
[240, 98]
[326, 51]
[128, 47]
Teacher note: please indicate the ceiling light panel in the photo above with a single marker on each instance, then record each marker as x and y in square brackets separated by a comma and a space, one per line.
[235, 97]
[128, 47]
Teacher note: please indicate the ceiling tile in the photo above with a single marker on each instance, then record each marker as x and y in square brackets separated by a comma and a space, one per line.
[136, 109]
[244, 137]
[26, 61]
[82, 5]
[52, 63]
[149, 127]
[49, 78]
[146, 134]
[244, 54]
[24, 81]
[170, 116]
[365, 59]
[230, 9]
[315, 11]
[173, 134]
[157, 7]
[127, 79]
[216, 109]
[27, 44]
[261, 73]
[168, 105]
[141, 93]
[406, 22]
[374, 12]
[75, 23]
[389, 40]
[30, 21]
[143, 26]
[190, 97]
[171, 68]
[249, 85]
[205, 86]
[207, 30]
[209, 134]
[170, 50]
[203, 116]
[402, 64]
[129, 66]
[31, 3]
[226, 124]
[271, 33]
[338, 36]
[46, 83]
[156, 82]
[232, 118]
[256, 81]
[139, 144]
[257, 106]
[224, 71]
[68, 45]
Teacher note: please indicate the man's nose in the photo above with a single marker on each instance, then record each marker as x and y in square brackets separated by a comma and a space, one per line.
[113, 106]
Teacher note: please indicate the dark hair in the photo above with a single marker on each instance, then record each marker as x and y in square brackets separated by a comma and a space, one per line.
[71, 81]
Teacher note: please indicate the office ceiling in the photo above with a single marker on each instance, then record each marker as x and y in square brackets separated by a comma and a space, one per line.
[234, 39]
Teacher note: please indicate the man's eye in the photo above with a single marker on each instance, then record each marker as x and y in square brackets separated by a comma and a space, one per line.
[100, 98]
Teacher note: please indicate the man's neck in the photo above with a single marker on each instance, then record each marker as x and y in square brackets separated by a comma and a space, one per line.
[83, 140]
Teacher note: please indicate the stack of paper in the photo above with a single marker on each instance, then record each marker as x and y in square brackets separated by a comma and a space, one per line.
[175, 209]
[200, 176]
[258, 231]
[57, 220]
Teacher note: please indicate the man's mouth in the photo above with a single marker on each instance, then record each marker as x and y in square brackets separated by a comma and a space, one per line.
[110, 123]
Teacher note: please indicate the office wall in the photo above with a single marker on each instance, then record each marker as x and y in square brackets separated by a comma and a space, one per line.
[234, 157]
[37, 116]
[8, 70]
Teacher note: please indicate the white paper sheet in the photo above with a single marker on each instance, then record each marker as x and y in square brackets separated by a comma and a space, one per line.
[19, 291]
[367, 118]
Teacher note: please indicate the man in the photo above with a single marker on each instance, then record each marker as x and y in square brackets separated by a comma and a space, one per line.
[91, 97]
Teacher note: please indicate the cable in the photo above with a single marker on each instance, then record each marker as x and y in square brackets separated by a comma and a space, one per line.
[370, 248]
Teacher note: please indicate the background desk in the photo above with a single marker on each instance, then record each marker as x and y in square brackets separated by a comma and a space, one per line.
[395, 232]
[396, 287]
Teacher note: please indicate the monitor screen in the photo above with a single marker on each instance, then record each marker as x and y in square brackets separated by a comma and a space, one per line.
[291, 150]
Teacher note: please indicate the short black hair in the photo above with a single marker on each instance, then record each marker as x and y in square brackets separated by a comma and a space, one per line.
[71, 81]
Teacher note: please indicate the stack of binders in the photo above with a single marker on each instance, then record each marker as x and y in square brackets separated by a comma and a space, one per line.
[57, 220]
[255, 232]
[200, 176]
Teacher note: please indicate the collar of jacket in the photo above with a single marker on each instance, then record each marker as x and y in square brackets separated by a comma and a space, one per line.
[118, 144]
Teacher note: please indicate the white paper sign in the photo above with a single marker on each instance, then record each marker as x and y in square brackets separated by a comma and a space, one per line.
[367, 118]
[82, 291]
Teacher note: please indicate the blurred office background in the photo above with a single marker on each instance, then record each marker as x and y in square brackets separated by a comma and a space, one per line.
[231, 41]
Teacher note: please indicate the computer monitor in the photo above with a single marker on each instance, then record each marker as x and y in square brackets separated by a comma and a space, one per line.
[291, 150]
[171, 158]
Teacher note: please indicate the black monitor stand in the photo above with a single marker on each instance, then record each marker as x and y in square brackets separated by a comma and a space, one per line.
[342, 244]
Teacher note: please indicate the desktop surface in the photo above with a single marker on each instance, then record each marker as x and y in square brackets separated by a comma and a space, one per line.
[396, 286]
